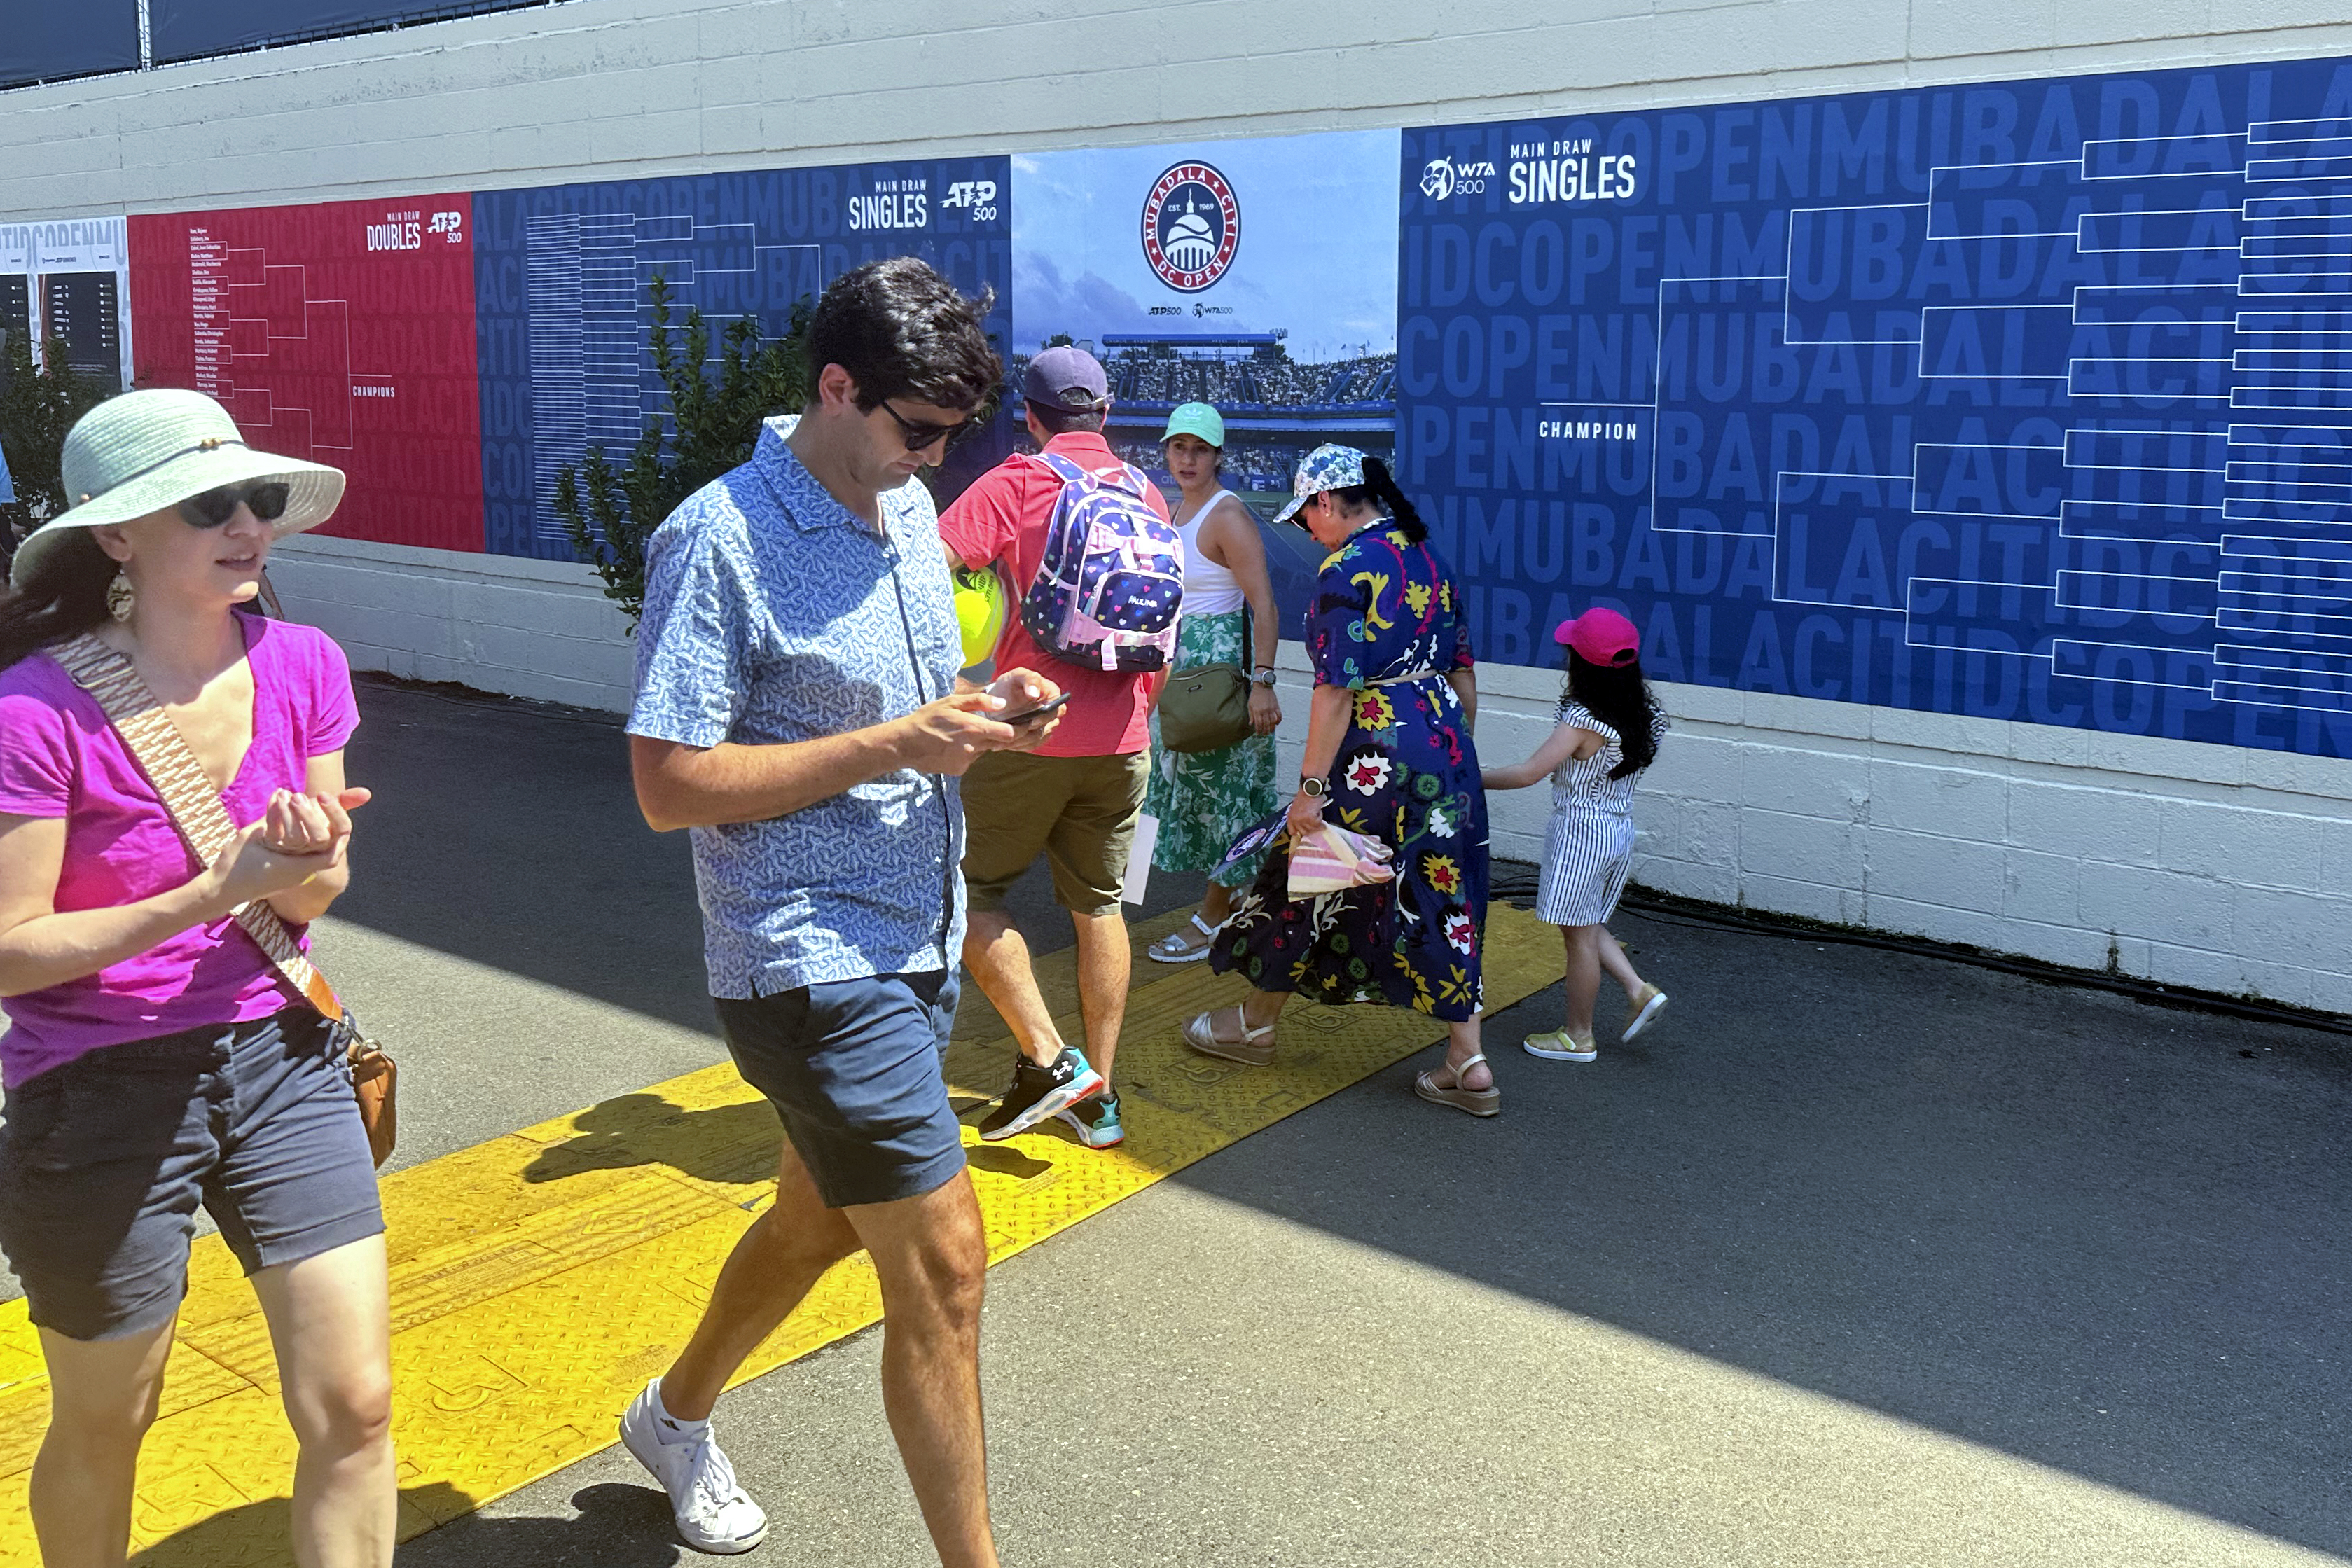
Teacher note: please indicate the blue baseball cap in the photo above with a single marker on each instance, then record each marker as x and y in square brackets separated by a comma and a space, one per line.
[1066, 380]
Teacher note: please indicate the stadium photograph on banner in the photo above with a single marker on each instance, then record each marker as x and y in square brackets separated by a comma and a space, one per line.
[1257, 276]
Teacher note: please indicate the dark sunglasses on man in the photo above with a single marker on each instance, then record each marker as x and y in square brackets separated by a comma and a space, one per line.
[922, 438]
[266, 498]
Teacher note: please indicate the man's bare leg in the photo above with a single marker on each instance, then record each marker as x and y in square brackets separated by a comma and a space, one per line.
[998, 956]
[1105, 964]
[931, 1255]
[776, 1262]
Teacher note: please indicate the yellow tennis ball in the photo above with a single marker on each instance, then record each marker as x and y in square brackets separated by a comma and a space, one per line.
[979, 612]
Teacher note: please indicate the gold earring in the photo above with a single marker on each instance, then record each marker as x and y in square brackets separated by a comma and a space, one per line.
[117, 597]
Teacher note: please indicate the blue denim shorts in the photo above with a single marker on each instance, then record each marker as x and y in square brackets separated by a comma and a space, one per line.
[104, 1160]
[857, 1071]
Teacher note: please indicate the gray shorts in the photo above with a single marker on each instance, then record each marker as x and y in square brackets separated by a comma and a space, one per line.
[104, 1160]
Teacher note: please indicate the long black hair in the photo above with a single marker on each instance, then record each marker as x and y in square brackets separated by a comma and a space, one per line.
[1619, 697]
[1379, 489]
[61, 598]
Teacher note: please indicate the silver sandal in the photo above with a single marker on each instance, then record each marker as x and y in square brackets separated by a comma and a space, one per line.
[1201, 1035]
[1171, 949]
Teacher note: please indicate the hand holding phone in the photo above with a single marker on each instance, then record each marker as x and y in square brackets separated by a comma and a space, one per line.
[1037, 715]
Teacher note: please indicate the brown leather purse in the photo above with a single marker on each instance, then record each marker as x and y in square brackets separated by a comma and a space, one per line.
[196, 809]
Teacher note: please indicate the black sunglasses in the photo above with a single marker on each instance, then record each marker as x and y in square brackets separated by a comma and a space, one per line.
[267, 501]
[922, 438]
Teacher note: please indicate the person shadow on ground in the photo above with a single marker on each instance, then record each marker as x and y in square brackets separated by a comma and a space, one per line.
[618, 1527]
[735, 1143]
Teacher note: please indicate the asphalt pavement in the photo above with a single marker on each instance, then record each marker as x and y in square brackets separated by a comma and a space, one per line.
[1857, 1257]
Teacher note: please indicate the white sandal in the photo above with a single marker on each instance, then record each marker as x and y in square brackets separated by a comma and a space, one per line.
[1487, 1102]
[1201, 1035]
[1172, 948]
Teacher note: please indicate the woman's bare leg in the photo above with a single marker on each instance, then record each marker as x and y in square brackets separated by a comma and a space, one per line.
[330, 1320]
[103, 1395]
[1462, 1043]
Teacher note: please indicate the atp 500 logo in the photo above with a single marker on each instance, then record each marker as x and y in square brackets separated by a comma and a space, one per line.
[1192, 227]
[976, 198]
[1446, 178]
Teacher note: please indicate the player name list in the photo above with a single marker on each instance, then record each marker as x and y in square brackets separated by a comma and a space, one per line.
[209, 310]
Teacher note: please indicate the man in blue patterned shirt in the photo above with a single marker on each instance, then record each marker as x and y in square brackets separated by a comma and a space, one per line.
[798, 709]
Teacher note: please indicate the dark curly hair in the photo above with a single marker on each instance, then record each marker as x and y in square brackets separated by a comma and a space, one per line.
[901, 330]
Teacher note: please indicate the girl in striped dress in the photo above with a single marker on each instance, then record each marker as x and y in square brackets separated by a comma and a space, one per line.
[1608, 733]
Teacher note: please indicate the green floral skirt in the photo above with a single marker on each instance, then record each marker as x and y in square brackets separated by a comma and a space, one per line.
[1206, 800]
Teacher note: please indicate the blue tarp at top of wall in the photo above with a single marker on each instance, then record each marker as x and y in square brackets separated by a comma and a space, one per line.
[44, 41]
[189, 29]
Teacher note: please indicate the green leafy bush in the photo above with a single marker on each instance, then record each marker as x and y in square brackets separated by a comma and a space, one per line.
[710, 425]
[38, 405]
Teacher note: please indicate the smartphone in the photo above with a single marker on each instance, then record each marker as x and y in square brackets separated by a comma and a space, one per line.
[1030, 715]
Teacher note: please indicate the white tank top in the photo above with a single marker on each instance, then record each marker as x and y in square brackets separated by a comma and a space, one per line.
[1209, 589]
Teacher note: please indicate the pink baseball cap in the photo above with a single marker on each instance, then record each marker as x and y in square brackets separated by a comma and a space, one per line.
[1601, 637]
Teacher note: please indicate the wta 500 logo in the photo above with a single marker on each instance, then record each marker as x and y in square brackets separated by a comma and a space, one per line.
[1443, 179]
[1192, 227]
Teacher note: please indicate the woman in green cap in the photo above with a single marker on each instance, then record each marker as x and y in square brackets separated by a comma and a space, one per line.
[1206, 800]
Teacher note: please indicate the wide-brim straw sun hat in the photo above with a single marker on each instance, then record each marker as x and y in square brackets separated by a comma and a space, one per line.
[144, 451]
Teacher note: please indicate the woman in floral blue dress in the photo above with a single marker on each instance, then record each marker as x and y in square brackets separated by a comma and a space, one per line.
[1389, 755]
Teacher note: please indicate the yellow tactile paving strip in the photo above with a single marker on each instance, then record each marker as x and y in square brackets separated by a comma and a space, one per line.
[538, 1279]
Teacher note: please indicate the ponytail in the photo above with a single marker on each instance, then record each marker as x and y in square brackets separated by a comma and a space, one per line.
[62, 597]
[1383, 488]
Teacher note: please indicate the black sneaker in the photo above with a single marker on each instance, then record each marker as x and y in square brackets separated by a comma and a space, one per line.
[1095, 1121]
[1038, 1092]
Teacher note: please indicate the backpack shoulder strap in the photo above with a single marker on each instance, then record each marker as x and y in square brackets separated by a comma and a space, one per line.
[1064, 469]
[189, 799]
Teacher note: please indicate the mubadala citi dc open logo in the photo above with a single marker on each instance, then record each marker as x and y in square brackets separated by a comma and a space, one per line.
[1443, 179]
[1192, 227]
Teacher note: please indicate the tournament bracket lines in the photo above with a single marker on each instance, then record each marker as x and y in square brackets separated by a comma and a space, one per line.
[2022, 401]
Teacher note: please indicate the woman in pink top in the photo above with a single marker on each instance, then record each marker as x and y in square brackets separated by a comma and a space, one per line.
[156, 1060]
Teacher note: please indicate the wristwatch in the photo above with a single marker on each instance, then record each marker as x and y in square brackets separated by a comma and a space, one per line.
[1314, 789]
[1263, 675]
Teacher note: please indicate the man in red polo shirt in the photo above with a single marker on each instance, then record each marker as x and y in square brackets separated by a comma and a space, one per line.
[1075, 798]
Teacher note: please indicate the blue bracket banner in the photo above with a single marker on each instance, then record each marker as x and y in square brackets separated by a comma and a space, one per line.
[562, 307]
[46, 43]
[190, 29]
[2027, 401]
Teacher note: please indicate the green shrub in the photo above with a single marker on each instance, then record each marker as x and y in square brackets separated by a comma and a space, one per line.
[38, 405]
[710, 426]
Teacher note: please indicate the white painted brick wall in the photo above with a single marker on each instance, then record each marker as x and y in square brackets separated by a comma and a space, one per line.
[2199, 865]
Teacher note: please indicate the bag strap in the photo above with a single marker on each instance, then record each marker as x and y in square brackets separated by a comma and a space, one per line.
[155, 743]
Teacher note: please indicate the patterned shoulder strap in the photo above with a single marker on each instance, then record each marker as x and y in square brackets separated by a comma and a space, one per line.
[188, 796]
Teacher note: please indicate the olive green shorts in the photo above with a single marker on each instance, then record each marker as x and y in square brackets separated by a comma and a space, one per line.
[1080, 810]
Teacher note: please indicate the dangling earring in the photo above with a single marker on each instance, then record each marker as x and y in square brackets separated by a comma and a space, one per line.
[117, 597]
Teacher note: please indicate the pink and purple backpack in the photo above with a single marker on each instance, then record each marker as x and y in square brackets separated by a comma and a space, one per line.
[1108, 588]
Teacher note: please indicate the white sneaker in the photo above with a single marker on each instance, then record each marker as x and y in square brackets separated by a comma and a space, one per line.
[713, 1513]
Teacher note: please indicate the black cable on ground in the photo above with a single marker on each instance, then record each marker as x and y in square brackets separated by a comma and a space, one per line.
[1510, 879]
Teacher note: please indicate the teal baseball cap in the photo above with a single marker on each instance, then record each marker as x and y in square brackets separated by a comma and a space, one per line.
[1197, 420]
